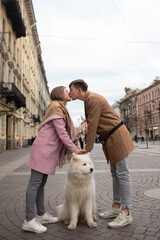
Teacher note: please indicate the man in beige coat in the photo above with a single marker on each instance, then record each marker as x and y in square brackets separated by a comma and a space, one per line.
[116, 143]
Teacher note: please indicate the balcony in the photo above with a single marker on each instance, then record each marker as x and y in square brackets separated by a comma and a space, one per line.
[12, 93]
[14, 13]
[147, 112]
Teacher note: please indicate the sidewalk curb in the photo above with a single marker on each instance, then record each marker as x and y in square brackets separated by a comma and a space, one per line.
[10, 167]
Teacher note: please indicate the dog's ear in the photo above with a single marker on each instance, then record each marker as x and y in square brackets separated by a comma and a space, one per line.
[88, 153]
[74, 156]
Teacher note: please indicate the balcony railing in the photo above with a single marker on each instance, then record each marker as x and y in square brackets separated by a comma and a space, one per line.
[14, 13]
[12, 93]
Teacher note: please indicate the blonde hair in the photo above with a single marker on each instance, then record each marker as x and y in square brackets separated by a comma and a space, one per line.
[57, 93]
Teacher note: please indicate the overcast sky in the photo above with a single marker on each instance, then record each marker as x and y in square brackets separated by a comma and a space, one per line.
[111, 44]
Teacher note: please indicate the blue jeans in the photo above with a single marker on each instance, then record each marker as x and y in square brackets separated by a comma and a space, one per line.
[121, 183]
[35, 194]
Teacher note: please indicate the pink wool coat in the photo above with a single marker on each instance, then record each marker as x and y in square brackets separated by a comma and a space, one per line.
[49, 145]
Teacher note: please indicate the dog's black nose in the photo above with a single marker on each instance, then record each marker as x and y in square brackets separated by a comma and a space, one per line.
[91, 169]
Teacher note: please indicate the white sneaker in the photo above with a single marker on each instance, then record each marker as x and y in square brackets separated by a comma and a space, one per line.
[34, 226]
[47, 218]
[121, 220]
[110, 213]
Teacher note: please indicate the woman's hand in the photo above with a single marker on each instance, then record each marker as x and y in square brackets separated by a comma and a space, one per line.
[81, 151]
[78, 151]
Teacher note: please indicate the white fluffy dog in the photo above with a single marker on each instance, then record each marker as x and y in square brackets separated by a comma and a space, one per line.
[79, 196]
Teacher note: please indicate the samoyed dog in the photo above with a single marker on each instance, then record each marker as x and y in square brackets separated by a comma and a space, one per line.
[79, 195]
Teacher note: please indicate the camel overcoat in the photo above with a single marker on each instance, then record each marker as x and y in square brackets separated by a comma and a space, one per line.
[101, 119]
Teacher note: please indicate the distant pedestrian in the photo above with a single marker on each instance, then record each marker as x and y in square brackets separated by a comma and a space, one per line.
[136, 139]
[81, 140]
[116, 143]
[52, 146]
[142, 139]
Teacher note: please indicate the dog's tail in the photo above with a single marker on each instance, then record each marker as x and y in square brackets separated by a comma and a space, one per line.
[59, 209]
[62, 213]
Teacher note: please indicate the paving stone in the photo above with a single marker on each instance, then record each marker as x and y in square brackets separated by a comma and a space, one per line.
[150, 233]
[144, 171]
[138, 236]
[140, 230]
[151, 238]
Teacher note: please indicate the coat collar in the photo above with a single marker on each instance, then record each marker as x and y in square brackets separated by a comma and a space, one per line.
[86, 95]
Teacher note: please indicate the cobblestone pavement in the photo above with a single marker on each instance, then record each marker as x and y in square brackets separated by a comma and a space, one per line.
[144, 165]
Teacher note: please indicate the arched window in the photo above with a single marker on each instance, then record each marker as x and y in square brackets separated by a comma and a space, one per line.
[3, 71]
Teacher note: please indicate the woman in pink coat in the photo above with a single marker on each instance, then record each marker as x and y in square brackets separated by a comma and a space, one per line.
[53, 146]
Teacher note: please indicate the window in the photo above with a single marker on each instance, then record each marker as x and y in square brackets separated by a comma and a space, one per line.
[9, 75]
[2, 125]
[153, 120]
[17, 56]
[3, 71]
[156, 119]
[153, 106]
[9, 40]
[14, 80]
[4, 30]
[14, 49]
[17, 127]
[149, 107]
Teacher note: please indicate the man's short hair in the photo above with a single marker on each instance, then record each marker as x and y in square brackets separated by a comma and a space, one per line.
[79, 83]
